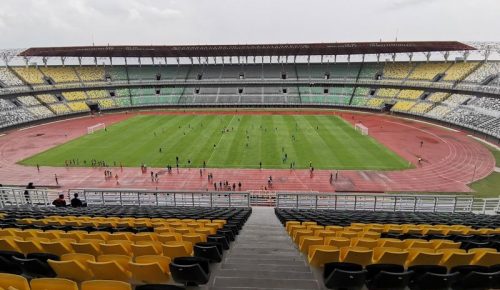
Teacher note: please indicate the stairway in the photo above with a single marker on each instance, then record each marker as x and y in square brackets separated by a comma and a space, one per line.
[263, 257]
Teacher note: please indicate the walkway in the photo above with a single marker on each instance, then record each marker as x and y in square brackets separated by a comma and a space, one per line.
[264, 257]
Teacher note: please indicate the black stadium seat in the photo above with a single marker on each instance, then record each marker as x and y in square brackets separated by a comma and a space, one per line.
[433, 281]
[35, 268]
[190, 271]
[346, 280]
[478, 281]
[374, 269]
[389, 280]
[210, 251]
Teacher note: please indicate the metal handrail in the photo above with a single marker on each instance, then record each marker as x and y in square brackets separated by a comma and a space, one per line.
[389, 202]
[142, 197]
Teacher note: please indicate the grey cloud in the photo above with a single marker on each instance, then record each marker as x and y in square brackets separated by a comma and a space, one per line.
[25, 23]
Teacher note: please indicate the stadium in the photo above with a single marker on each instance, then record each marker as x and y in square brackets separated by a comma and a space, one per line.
[327, 165]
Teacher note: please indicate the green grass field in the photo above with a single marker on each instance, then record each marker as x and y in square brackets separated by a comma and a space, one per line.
[488, 187]
[327, 141]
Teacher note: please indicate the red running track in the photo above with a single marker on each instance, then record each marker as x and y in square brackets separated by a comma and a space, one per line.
[449, 160]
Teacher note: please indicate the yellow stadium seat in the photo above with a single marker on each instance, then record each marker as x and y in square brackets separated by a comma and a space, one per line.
[6, 233]
[357, 255]
[315, 227]
[31, 246]
[58, 247]
[337, 242]
[147, 248]
[53, 284]
[184, 230]
[145, 237]
[177, 249]
[117, 247]
[290, 223]
[445, 244]
[97, 236]
[121, 236]
[15, 281]
[422, 244]
[369, 235]
[109, 270]
[486, 258]
[88, 247]
[423, 257]
[307, 241]
[320, 254]
[28, 233]
[389, 256]
[193, 225]
[452, 259]
[294, 228]
[334, 228]
[48, 235]
[356, 229]
[105, 285]
[121, 260]
[71, 269]
[9, 244]
[82, 258]
[299, 233]
[409, 243]
[347, 234]
[169, 237]
[161, 230]
[325, 233]
[151, 269]
[205, 231]
[194, 238]
[364, 242]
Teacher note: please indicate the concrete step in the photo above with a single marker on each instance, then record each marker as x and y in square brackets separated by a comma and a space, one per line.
[256, 283]
[267, 267]
[264, 274]
[291, 261]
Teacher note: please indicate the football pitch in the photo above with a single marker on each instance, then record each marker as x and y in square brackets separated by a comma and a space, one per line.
[227, 141]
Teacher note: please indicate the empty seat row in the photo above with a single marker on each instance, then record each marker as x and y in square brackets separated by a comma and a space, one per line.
[346, 218]
[424, 277]
[17, 282]
[318, 255]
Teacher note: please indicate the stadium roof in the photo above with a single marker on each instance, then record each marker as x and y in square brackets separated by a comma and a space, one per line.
[347, 48]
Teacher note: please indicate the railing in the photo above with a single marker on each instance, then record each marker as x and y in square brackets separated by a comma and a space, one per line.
[389, 202]
[135, 197]
[16, 196]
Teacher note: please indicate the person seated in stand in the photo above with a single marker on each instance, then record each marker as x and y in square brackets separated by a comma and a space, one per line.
[59, 202]
[76, 202]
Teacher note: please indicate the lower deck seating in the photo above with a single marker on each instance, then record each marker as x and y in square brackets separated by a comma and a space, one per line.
[391, 250]
[134, 245]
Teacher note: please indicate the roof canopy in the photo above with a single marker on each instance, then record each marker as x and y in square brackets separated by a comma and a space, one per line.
[351, 48]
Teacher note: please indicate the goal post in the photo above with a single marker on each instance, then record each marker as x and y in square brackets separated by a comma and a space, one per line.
[361, 129]
[94, 128]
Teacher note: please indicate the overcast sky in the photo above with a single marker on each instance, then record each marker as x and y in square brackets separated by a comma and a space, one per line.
[28, 23]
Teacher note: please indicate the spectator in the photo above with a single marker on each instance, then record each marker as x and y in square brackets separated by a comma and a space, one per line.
[76, 202]
[27, 195]
[59, 202]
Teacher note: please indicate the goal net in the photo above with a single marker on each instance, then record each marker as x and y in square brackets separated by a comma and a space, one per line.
[361, 128]
[94, 128]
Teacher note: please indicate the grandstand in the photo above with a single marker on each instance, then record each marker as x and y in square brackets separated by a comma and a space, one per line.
[304, 227]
